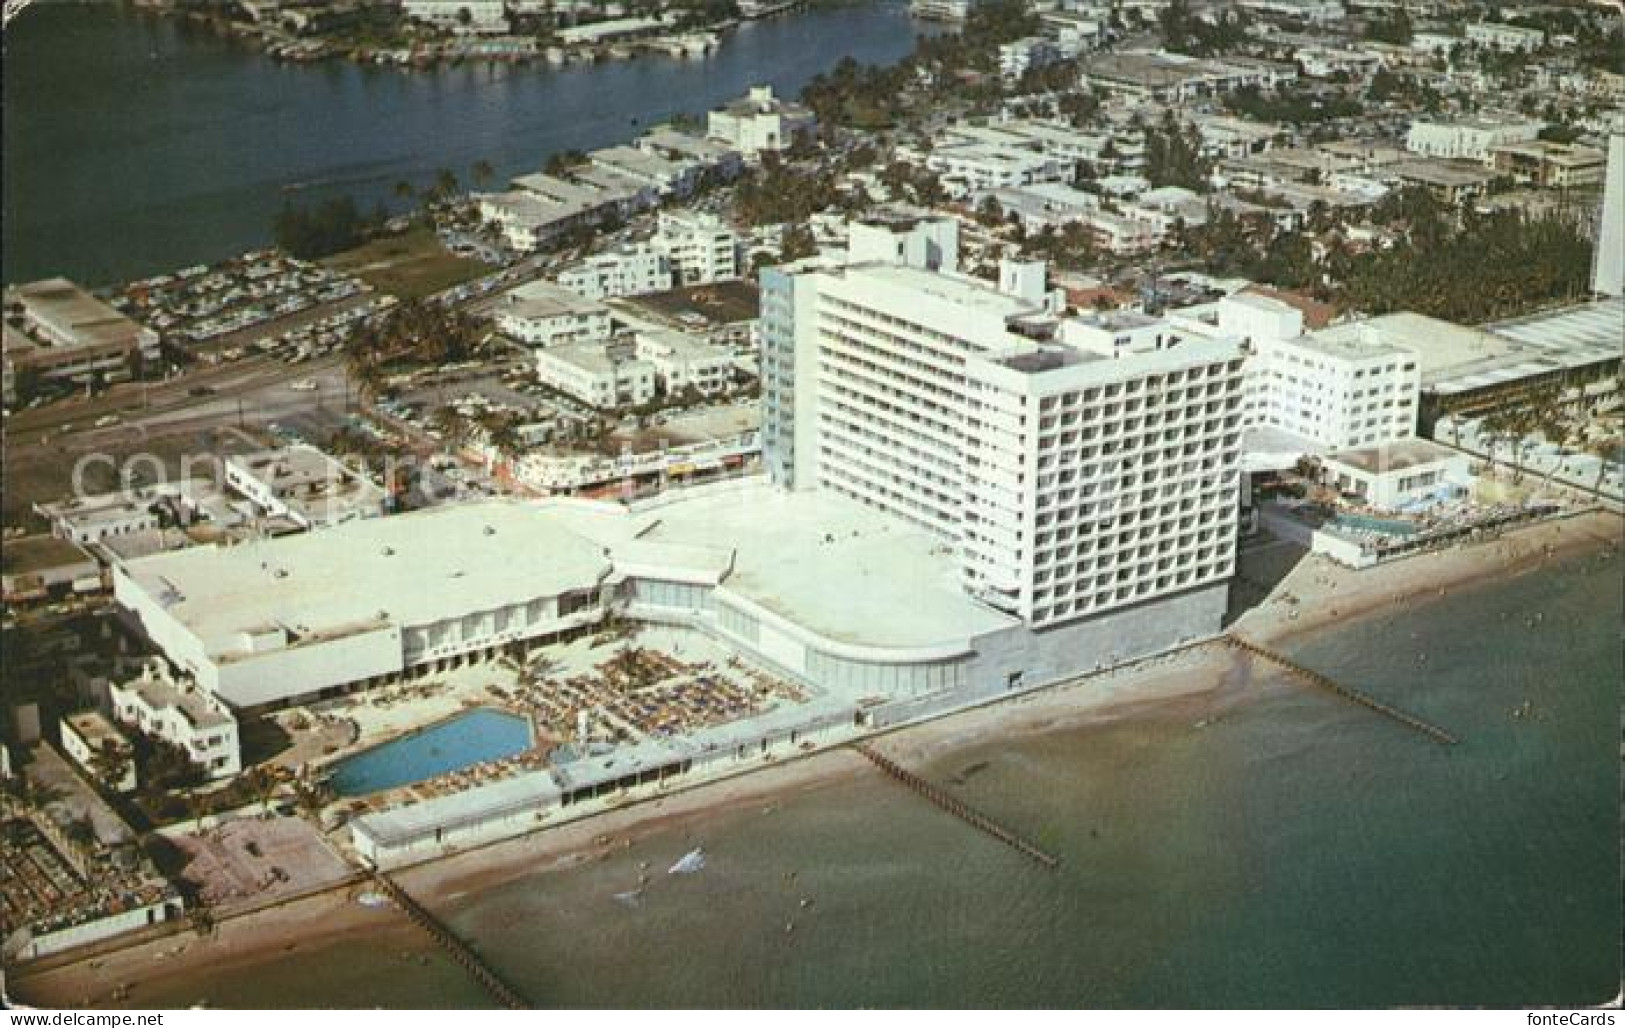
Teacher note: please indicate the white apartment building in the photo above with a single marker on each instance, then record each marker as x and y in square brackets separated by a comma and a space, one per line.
[1472, 139]
[182, 714]
[918, 239]
[542, 314]
[699, 247]
[1505, 37]
[682, 361]
[602, 376]
[1071, 484]
[663, 176]
[304, 485]
[969, 169]
[625, 271]
[759, 122]
[483, 16]
[942, 10]
[1020, 56]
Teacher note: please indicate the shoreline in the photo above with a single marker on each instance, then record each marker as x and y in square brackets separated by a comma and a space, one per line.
[1202, 682]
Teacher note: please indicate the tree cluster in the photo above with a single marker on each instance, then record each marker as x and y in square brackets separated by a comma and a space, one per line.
[309, 233]
[1183, 32]
[1173, 155]
[777, 193]
[1292, 106]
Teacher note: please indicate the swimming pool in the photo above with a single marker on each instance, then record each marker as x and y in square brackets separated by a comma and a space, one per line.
[472, 738]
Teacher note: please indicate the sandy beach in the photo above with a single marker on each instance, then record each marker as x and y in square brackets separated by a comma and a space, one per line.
[1190, 684]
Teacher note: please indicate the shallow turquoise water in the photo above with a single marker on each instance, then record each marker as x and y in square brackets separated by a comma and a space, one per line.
[461, 741]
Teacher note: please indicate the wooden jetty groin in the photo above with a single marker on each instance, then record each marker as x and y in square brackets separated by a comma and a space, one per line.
[460, 953]
[1434, 732]
[960, 809]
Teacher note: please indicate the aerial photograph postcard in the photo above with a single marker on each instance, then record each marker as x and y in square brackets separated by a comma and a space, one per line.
[887, 506]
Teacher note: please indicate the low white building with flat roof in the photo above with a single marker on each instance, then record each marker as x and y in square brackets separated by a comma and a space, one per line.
[482, 16]
[1500, 36]
[681, 361]
[304, 485]
[625, 271]
[603, 376]
[182, 714]
[318, 613]
[55, 331]
[1398, 475]
[541, 314]
[1473, 139]
[97, 745]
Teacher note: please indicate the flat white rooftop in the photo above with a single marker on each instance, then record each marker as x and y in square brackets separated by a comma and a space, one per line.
[413, 569]
[829, 564]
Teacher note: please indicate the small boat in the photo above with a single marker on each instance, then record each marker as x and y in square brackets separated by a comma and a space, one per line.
[692, 861]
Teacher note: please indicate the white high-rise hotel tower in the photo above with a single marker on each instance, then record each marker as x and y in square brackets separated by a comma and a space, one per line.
[1071, 485]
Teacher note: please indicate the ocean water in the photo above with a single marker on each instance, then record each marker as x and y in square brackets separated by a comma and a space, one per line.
[1301, 851]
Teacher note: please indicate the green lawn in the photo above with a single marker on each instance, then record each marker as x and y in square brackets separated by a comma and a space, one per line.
[409, 265]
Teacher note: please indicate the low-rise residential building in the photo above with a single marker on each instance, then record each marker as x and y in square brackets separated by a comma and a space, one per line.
[1550, 165]
[482, 16]
[542, 314]
[38, 567]
[97, 745]
[1472, 139]
[664, 176]
[759, 122]
[1451, 182]
[1073, 31]
[942, 10]
[55, 331]
[683, 362]
[304, 485]
[183, 715]
[1176, 78]
[699, 247]
[624, 271]
[967, 169]
[1020, 56]
[1325, 61]
[718, 158]
[602, 376]
[1499, 36]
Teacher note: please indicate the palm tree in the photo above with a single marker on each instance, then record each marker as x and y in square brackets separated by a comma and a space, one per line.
[405, 190]
[111, 762]
[367, 378]
[262, 783]
[310, 798]
[502, 435]
[196, 807]
[482, 172]
[445, 183]
[451, 425]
